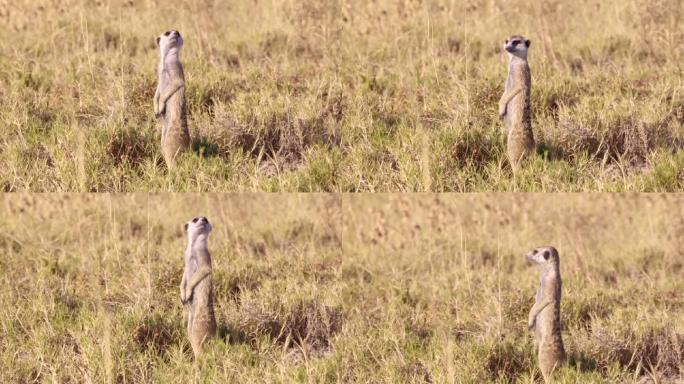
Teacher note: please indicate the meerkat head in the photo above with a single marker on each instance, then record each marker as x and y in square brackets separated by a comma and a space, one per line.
[196, 227]
[517, 46]
[168, 40]
[543, 256]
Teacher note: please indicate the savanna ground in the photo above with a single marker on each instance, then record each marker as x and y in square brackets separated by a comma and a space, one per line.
[343, 95]
[330, 288]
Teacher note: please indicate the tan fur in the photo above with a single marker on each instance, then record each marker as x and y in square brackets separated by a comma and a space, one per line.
[514, 106]
[169, 99]
[544, 317]
[196, 290]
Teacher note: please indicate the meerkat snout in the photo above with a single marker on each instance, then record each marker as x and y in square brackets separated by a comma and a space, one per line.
[200, 220]
[540, 255]
[170, 37]
[199, 224]
[517, 46]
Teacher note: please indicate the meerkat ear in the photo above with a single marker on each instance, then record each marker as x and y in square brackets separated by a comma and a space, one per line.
[185, 227]
[527, 43]
[158, 40]
[546, 255]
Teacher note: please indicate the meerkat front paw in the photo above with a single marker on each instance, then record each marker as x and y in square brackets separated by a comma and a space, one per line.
[156, 108]
[159, 110]
[502, 110]
[530, 323]
[188, 296]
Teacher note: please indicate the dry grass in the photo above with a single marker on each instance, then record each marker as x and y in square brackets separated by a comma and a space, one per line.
[342, 95]
[447, 274]
[339, 288]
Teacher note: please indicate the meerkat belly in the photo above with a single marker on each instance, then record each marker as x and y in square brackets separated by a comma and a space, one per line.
[550, 333]
[175, 116]
[516, 112]
[545, 322]
[203, 298]
[204, 321]
[520, 140]
[175, 134]
[163, 79]
[200, 295]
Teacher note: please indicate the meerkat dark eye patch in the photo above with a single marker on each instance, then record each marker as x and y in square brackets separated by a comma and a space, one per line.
[195, 220]
[546, 255]
[167, 33]
[516, 42]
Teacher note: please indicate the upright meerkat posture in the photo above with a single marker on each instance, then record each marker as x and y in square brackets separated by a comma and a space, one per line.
[169, 99]
[195, 291]
[544, 316]
[514, 106]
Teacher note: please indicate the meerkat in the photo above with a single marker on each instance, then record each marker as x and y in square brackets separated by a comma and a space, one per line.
[514, 106]
[544, 316]
[169, 99]
[196, 292]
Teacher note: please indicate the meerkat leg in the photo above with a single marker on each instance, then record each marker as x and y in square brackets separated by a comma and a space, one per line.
[195, 339]
[515, 158]
[191, 322]
[165, 130]
[545, 375]
[536, 308]
[547, 369]
[155, 101]
[196, 278]
[184, 283]
[505, 98]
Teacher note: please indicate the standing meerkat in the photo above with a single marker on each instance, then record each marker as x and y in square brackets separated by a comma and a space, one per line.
[514, 106]
[196, 291]
[169, 99]
[544, 316]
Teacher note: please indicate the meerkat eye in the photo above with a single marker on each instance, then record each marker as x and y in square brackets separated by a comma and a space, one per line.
[516, 42]
[167, 33]
[194, 220]
[546, 255]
